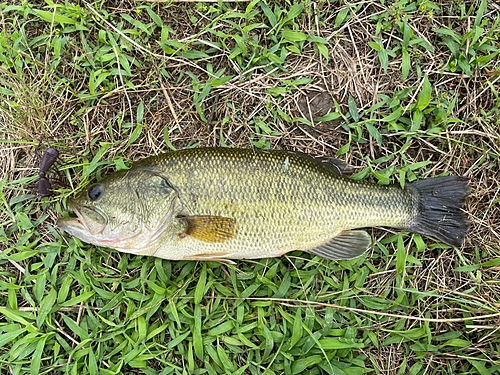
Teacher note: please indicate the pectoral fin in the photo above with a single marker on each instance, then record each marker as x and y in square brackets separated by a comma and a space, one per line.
[347, 245]
[214, 257]
[210, 229]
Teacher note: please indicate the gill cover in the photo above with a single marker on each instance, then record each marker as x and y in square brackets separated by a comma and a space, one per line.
[153, 204]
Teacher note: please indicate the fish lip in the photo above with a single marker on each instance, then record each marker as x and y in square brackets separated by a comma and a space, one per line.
[81, 219]
[79, 215]
[69, 224]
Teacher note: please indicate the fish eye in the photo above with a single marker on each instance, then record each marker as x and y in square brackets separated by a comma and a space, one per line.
[95, 192]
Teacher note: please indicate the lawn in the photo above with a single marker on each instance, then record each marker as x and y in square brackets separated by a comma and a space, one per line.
[398, 90]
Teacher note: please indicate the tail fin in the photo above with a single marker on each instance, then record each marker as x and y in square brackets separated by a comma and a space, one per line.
[439, 208]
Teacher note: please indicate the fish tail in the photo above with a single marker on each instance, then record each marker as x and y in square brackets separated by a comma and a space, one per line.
[439, 214]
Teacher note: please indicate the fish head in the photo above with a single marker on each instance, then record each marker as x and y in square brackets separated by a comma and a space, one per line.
[127, 210]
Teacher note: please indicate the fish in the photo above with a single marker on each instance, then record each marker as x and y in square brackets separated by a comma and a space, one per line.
[219, 204]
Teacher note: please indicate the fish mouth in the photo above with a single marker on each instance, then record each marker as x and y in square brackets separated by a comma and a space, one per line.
[71, 224]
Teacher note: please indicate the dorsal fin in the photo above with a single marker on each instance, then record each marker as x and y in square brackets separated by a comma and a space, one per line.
[336, 166]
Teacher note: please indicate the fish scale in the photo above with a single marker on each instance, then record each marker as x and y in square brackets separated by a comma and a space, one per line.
[263, 203]
[275, 196]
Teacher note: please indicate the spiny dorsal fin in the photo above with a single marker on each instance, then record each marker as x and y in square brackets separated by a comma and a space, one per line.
[211, 229]
[336, 166]
[347, 245]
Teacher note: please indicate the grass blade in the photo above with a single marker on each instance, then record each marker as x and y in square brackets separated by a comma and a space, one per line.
[200, 286]
[45, 306]
[424, 98]
[37, 355]
[401, 255]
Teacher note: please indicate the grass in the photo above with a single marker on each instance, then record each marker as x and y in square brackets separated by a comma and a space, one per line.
[400, 90]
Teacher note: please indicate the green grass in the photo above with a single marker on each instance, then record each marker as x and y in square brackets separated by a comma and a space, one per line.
[400, 90]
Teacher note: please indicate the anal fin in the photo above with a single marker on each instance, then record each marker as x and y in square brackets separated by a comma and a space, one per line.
[212, 257]
[347, 245]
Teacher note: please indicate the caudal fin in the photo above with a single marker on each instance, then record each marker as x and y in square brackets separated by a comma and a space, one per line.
[440, 215]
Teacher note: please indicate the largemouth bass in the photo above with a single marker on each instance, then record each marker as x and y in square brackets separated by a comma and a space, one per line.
[220, 204]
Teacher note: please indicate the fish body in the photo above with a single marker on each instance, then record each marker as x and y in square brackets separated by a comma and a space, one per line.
[220, 204]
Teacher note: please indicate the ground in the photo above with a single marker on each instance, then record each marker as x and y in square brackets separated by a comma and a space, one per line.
[398, 90]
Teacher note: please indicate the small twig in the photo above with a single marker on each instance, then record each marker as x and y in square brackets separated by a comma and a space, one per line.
[303, 303]
[473, 131]
[169, 102]
[455, 356]
[61, 331]
[80, 314]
